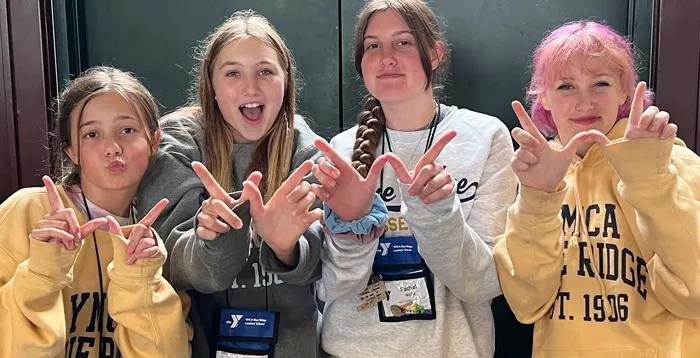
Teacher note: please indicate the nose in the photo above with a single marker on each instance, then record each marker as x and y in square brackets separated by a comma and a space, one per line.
[251, 86]
[584, 101]
[112, 148]
[388, 59]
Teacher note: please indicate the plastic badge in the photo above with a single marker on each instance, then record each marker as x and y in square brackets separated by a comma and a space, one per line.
[407, 297]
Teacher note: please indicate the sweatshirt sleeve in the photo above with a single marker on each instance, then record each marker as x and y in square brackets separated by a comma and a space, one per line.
[148, 312]
[529, 256]
[457, 245]
[662, 182]
[32, 314]
[207, 266]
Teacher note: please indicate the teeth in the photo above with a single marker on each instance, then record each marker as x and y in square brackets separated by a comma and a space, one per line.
[252, 105]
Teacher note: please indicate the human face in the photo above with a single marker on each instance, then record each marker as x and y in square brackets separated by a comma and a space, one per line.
[584, 97]
[249, 84]
[110, 144]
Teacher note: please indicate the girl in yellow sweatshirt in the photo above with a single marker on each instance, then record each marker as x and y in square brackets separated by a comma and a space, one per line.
[602, 249]
[73, 283]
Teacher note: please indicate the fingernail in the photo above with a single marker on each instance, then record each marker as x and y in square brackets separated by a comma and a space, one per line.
[331, 183]
[336, 174]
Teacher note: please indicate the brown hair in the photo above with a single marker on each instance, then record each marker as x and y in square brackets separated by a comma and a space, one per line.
[273, 153]
[72, 100]
[422, 22]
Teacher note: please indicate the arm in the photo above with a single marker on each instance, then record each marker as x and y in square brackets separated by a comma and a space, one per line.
[207, 266]
[458, 247]
[529, 256]
[148, 311]
[662, 182]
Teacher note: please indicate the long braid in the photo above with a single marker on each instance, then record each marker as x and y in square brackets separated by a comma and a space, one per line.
[369, 131]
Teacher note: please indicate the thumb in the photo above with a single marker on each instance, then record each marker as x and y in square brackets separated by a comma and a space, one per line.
[598, 138]
[576, 143]
[114, 227]
[255, 199]
[399, 169]
[255, 177]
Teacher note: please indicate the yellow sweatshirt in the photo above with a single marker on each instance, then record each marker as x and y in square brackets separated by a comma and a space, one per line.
[49, 296]
[610, 265]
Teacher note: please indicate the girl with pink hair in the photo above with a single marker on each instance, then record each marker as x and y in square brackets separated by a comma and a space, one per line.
[601, 250]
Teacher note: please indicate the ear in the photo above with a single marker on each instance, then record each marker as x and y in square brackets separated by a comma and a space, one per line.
[545, 102]
[72, 153]
[437, 54]
[623, 99]
[156, 142]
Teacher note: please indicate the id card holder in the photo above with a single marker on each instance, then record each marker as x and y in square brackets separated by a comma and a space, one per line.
[410, 292]
[246, 333]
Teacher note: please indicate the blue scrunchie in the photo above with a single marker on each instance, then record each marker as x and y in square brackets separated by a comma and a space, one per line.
[376, 217]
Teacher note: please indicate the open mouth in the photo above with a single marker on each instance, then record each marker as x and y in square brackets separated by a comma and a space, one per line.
[252, 111]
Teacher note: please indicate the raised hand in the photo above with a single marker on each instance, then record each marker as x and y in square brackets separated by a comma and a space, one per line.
[342, 188]
[536, 164]
[61, 226]
[142, 240]
[285, 217]
[649, 123]
[428, 180]
[219, 205]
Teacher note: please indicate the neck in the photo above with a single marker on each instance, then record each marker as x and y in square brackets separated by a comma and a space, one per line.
[116, 202]
[410, 115]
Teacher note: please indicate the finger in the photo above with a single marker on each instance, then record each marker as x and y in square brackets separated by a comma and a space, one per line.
[525, 156]
[637, 107]
[296, 177]
[376, 169]
[254, 198]
[647, 117]
[155, 212]
[206, 234]
[328, 167]
[578, 141]
[58, 224]
[525, 139]
[440, 180]
[526, 122]
[50, 232]
[518, 165]
[138, 233]
[439, 194]
[399, 169]
[143, 244]
[313, 216]
[95, 224]
[659, 122]
[434, 152]
[304, 204]
[426, 174]
[215, 190]
[255, 177]
[320, 192]
[299, 192]
[67, 215]
[54, 198]
[68, 244]
[221, 210]
[598, 137]
[338, 161]
[146, 253]
[322, 177]
[211, 223]
[669, 131]
[114, 227]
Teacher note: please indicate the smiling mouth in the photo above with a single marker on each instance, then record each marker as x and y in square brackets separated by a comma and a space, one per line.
[252, 111]
[390, 75]
[585, 120]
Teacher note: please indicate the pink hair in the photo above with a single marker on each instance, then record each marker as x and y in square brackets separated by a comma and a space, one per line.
[574, 42]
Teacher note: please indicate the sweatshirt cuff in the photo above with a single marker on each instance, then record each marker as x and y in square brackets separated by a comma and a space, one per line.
[272, 264]
[145, 269]
[639, 159]
[52, 261]
[377, 217]
[537, 206]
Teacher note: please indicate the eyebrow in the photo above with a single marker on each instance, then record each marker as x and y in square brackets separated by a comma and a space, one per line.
[395, 34]
[234, 63]
[118, 118]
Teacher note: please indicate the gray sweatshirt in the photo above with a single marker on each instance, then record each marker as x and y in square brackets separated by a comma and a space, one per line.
[455, 237]
[232, 270]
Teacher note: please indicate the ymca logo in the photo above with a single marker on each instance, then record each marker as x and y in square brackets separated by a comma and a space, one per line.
[235, 319]
[385, 248]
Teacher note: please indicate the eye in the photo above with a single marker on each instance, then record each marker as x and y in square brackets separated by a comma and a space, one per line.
[129, 130]
[232, 73]
[403, 43]
[372, 46]
[90, 135]
[266, 72]
[565, 87]
[602, 84]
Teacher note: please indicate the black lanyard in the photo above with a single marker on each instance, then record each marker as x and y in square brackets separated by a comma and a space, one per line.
[428, 144]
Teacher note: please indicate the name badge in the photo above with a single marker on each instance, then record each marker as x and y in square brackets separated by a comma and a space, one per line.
[246, 333]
